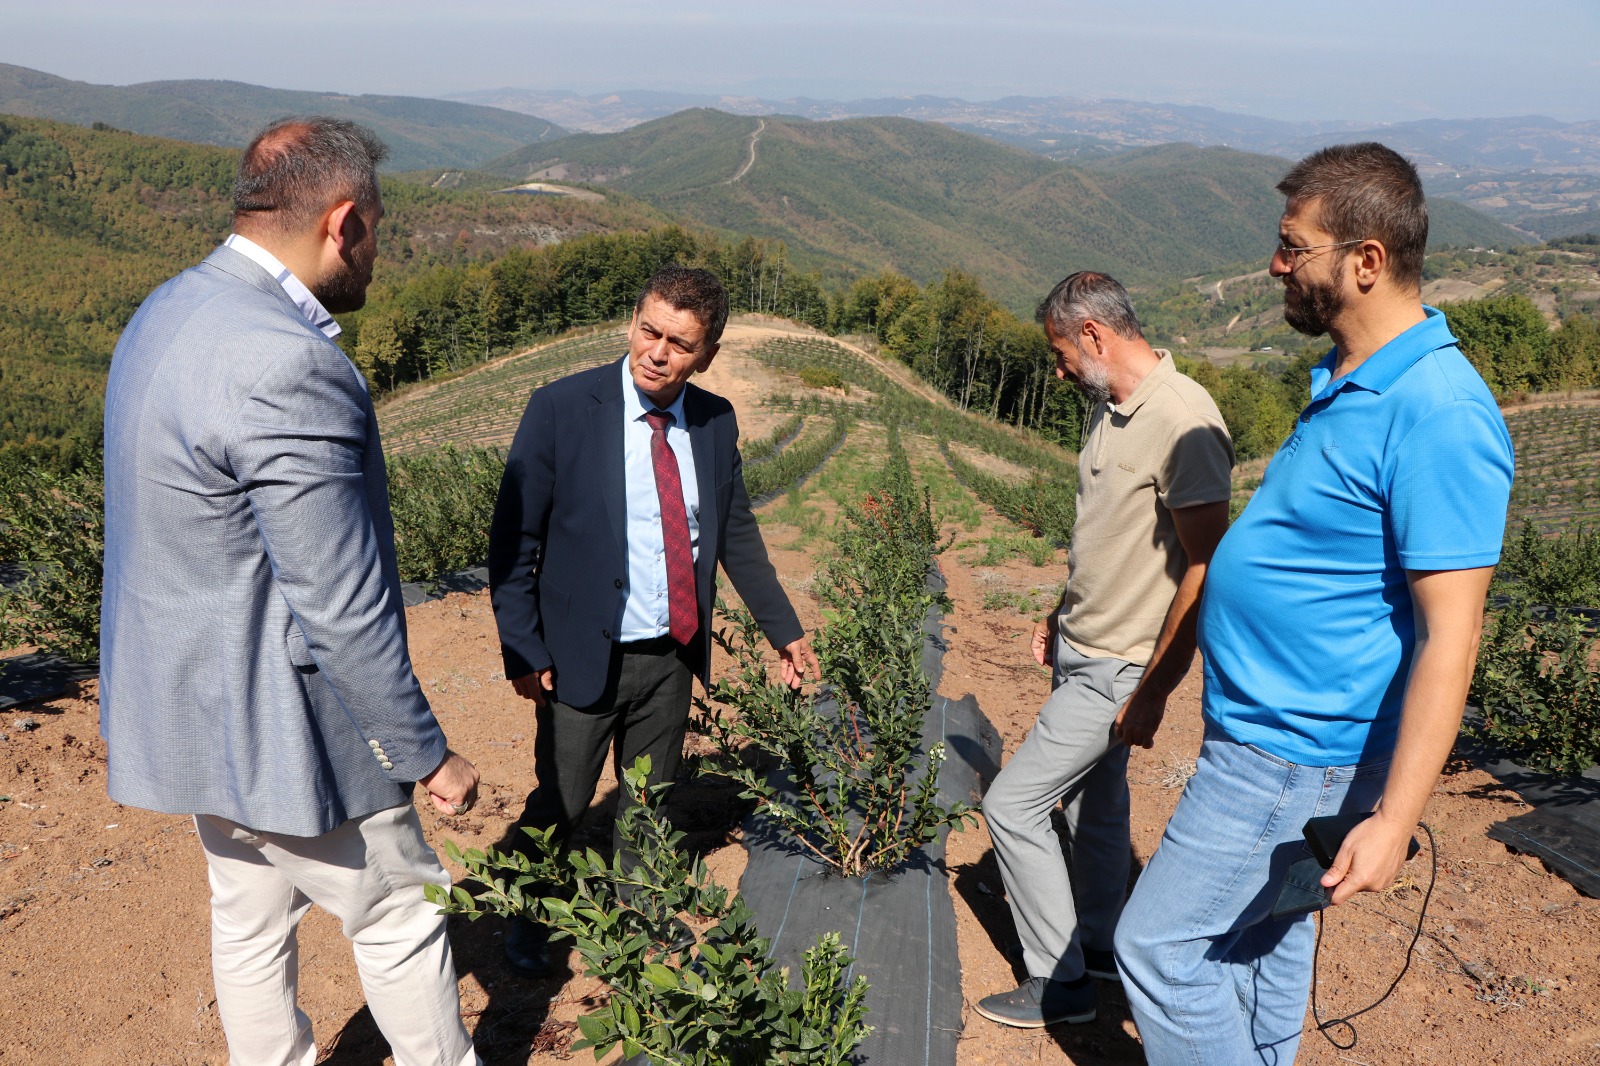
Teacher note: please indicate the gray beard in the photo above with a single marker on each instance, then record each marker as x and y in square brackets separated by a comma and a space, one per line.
[1094, 381]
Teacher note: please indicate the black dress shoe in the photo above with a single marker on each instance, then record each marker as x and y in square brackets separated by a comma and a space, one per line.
[527, 948]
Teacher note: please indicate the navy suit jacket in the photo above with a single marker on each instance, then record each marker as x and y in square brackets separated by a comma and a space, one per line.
[558, 561]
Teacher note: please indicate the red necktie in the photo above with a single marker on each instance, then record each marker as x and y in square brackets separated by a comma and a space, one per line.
[683, 616]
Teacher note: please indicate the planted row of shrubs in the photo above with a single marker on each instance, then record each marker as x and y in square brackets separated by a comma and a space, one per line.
[718, 1001]
[759, 451]
[1558, 571]
[442, 501]
[786, 468]
[860, 794]
[1045, 505]
[893, 402]
[52, 528]
[1538, 687]
[52, 535]
[52, 538]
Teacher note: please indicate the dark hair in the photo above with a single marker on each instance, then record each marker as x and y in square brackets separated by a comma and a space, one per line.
[297, 168]
[690, 289]
[1367, 192]
[1086, 295]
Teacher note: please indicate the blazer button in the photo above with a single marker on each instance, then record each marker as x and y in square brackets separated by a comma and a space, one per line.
[387, 765]
[618, 582]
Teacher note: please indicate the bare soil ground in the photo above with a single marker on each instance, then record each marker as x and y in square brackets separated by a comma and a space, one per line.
[104, 921]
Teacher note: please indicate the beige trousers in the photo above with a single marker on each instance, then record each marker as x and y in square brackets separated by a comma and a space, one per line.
[369, 873]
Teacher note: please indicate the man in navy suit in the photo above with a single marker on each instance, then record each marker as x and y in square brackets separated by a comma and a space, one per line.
[623, 490]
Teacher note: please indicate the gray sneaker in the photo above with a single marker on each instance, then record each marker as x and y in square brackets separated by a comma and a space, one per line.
[1039, 1001]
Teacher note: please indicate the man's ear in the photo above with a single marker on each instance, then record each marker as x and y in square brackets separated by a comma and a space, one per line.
[706, 356]
[1094, 334]
[344, 226]
[1371, 259]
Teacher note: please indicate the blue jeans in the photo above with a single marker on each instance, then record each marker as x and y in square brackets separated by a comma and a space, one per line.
[1211, 977]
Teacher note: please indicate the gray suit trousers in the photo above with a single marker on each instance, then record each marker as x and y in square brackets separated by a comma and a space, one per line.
[643, 710]
[1069, 755]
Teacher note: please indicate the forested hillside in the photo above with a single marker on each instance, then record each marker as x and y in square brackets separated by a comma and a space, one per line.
[98, 218]
[864, 195]
[93, 220]
[419, 132]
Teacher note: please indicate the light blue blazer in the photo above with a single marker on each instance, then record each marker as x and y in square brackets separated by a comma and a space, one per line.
[253, 660]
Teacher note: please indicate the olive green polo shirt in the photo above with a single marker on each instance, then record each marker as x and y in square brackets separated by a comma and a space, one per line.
[1162, 449]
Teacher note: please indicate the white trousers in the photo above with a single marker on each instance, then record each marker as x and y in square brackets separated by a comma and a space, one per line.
[369, 873]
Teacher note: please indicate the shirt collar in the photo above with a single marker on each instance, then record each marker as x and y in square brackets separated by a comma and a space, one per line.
[641, 405]
[1143, 391]
[1383, 367]
[308, 304]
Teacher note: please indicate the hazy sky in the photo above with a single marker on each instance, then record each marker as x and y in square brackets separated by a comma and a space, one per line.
[1390, 60]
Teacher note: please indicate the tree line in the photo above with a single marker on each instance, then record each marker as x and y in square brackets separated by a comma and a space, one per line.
[950, 332]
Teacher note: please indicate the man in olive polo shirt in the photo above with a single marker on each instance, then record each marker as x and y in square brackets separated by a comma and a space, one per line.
[1153, 487]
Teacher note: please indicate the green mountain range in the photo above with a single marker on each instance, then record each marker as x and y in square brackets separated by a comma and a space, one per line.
[420, 133]
[862, 195]
[93, 219]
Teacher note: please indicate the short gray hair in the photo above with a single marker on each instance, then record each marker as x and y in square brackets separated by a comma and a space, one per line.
[297, 168]
[1087, 295]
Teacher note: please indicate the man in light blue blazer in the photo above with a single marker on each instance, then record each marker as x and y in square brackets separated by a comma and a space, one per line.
[254, 667]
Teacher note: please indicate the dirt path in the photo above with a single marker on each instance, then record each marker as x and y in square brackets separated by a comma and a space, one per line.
[748, 163]
[103, 909]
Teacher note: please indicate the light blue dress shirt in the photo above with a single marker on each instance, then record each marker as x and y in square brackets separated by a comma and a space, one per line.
[645, 610]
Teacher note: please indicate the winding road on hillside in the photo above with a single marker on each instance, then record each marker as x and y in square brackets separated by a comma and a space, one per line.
[748, 163]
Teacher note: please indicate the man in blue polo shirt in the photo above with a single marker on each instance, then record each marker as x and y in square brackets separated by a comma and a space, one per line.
[1339, 626]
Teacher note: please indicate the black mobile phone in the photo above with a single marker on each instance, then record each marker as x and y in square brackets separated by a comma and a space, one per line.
[1325, 835]
[1302, 891]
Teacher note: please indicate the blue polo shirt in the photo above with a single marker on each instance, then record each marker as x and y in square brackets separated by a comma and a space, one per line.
[1306, 625]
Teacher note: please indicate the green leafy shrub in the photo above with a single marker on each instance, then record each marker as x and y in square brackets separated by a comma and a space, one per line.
[718, 1002]
[823, 377]
[1044, 504]
[797, 460]
[442, 501]
[1561, 570]
[759, 451]
[1539, 689]
[861, 797]
[52, 528]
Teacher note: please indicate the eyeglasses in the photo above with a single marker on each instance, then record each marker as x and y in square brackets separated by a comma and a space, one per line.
[1290, 254]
